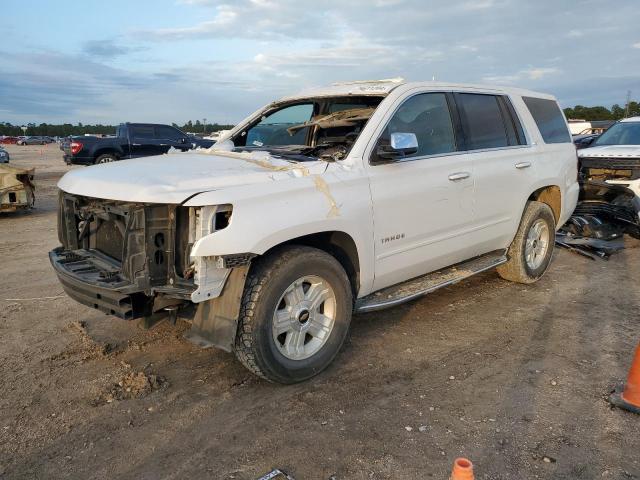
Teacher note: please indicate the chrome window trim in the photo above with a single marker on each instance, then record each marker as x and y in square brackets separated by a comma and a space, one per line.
[528, 139]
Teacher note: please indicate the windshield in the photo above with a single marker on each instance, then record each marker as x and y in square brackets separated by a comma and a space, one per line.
[622, 133]
[311, 128]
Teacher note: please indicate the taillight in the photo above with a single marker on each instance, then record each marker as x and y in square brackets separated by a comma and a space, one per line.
[75, 147]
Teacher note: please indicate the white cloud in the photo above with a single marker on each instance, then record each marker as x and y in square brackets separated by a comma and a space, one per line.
[636, 45]
[522, 75]
[478, 4]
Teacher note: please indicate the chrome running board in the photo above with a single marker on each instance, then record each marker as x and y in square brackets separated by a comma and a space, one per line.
[419, 286]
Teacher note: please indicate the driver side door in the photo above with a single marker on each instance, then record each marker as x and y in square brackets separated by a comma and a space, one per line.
[423, 201]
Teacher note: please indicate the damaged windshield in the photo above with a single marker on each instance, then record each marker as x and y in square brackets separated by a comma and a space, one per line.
[622, 133]
[323, 128]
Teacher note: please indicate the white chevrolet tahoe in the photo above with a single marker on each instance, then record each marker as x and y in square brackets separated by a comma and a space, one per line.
[345, 199]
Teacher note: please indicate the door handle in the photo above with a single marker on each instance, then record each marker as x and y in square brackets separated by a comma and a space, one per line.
[522, 165]
[459, 176]
[136, 144]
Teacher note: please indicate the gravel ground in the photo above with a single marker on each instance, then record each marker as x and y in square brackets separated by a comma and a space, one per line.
[513, 377]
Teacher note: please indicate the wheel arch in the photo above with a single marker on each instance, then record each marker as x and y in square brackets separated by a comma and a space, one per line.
[339, 245]
[550, 195]
[106, 150]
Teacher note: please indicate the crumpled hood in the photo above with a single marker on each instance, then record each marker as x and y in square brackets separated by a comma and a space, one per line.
[175, 177]
[613, 151]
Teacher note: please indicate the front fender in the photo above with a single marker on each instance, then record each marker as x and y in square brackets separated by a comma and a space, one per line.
[270, 214]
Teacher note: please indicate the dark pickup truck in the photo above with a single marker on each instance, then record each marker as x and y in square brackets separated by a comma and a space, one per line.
[131, 140]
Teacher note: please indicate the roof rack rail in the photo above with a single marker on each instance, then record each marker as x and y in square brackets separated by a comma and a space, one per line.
[358, 82]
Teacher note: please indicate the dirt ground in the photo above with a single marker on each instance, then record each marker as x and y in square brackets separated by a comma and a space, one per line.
[511, 376]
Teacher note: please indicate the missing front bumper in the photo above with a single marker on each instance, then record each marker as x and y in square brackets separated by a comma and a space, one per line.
[89, 279]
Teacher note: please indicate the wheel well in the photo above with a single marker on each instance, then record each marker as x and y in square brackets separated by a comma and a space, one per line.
[552, 196]
[105, 151]
[337, 244]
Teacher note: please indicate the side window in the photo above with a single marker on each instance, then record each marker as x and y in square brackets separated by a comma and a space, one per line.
[142, 132]
[549, 119]
[272, 129]
[482, 121]
[168, 133]
[427, 116]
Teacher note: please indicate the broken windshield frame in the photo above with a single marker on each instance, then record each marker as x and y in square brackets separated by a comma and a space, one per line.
[309, 129]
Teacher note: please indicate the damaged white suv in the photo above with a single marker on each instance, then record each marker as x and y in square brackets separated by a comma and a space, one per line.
[346, 199]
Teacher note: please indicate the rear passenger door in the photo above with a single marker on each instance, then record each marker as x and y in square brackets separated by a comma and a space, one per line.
[502, 164]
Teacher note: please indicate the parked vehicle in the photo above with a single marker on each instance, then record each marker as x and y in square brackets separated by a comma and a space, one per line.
[131, 140]
[35, 140]
[584, 141]
[615, 156]
[8, 140]
[4, 156]
[16, 188]
[347, 199]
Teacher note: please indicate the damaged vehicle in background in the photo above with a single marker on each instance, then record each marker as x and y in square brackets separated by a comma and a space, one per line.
[615, 156]
[352, 198]
[16, 188]
[609, 205]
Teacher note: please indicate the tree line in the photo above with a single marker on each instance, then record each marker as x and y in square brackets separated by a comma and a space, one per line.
[68, 129]
[616, 112]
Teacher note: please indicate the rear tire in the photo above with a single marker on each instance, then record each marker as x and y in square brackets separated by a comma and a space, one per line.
[531, 250]
[106, 158]
[295, 314]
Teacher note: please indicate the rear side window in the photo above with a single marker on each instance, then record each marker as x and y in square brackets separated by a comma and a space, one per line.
[482, 121]
[549, 119]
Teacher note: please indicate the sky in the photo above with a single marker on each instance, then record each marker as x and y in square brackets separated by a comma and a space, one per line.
[177, 60]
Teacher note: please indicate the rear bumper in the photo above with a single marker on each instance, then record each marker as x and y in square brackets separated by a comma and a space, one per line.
[91, 279]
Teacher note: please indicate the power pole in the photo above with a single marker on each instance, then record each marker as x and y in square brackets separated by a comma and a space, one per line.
[626, 110]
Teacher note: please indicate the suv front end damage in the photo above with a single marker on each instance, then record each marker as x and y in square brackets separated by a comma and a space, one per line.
[132, 260]
[623, 171]
[16, 188]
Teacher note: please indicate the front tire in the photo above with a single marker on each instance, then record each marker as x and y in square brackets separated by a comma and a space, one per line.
[531, 250]
[295, 314]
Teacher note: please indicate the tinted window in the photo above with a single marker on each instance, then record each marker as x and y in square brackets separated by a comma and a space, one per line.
[549, 119]
[168, 133]
[427, 116]
[272, 129]
[143, 132]
[482, 121]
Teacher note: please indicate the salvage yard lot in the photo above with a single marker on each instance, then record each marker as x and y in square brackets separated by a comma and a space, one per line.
[511, 376]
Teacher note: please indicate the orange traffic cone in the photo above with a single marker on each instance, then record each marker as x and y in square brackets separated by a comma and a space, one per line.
[462, 470]
[628, 396]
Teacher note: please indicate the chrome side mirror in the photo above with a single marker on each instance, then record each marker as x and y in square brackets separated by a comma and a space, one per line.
[404, 141]
[400, 145]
